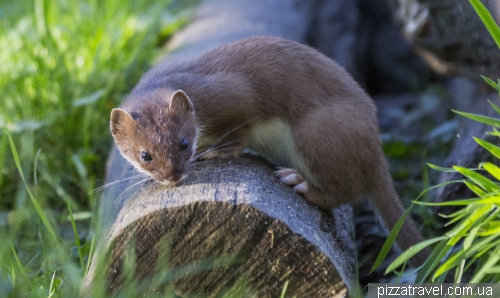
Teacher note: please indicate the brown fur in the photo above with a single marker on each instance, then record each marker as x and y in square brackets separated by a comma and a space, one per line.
[282, 99]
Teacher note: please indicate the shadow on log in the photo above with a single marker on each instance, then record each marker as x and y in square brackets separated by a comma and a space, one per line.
[229, 227]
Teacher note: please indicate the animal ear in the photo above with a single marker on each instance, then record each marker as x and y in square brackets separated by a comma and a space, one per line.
[121, 123]
[180, 102]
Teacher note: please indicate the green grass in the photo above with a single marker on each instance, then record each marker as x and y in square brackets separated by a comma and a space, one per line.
[64, 65]
[470, 250]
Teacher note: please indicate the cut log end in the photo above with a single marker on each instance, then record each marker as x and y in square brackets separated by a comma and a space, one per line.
[230, 227]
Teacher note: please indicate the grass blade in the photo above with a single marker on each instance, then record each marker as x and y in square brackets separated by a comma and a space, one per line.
[479, 118]
[463, 202]
[433, 260]
[391, 238]
[75, 232]
[462, 255]
[490, 263]
[23, 272]
[494, 85]
[493, 149]
[38, 209]
[478, 179]
[487, 19]
[495, 107]
[478, 211]
[434, 187]
[283, 292]
[441, 169]
[405, 256]
[492, 169]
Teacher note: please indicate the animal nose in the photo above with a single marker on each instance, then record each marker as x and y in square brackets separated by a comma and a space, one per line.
[175, 176]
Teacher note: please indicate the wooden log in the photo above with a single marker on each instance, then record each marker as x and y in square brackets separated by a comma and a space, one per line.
[222, 21]
[229, 227]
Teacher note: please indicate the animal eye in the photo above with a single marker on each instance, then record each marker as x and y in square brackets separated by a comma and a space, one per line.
[184, 144]
[146, 156]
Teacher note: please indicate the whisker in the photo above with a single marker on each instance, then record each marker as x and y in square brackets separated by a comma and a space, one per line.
[212, 148]
[133, 185]
[233, 130]
[114, 182]
[225, 135]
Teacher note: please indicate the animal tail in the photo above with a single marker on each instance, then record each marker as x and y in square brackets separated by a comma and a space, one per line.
[390, 209]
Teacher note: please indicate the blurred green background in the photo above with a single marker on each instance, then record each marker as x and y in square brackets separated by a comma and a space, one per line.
[64, 64]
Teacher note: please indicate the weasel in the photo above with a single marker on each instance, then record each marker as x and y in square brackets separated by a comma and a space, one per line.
[281, 99]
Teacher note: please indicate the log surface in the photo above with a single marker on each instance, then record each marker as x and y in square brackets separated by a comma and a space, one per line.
[231, 226]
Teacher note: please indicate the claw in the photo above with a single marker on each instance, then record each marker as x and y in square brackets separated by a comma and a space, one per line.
[292, 178]
[302, 187]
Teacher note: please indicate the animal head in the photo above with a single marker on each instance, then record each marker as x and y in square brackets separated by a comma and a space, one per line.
[159, 137]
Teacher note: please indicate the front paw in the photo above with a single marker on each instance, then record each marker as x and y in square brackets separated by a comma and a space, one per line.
[292, 178]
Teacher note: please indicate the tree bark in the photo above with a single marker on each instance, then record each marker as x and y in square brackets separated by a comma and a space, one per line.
[450, 36]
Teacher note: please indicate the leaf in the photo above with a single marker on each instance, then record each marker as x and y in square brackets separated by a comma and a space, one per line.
[26, 125]
[441, 169]
[80, 166]
[405, 256]
[82, 215]
[494, 133]
[27, 279]
[494, 85]
[477, 211]
[478, 179]
[77, 238]
[91, 251]
[455, 216]
[483, 119]
[489, 200]
[449, 203]
[495, 269]
[283, 292]
[490, 264]
[487, 19]
[470, 238]
[447, 170]
[494, 105]
[457, 257]
[433, 260]
[37, 206]
[434, 187]
[493, 149]
[391, 238]
[492, 169]
[55, 284]
[476, 189]
[90, 99]
[491, 228]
